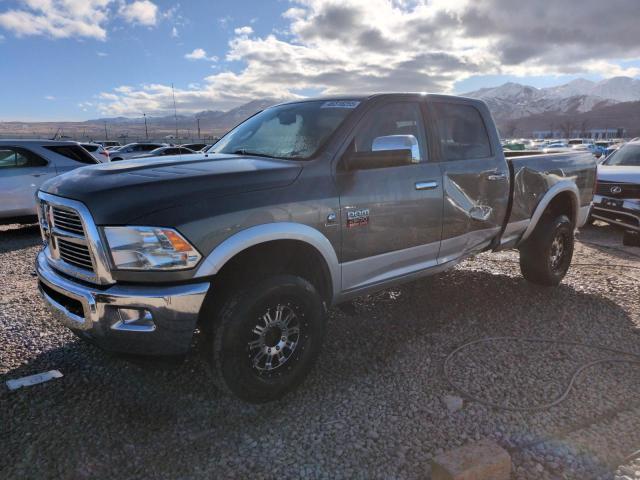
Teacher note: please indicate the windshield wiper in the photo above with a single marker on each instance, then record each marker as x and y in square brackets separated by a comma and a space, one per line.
[242, 151]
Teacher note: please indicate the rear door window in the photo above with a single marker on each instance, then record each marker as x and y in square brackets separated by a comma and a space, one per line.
[16, 157]
[73, 152]
[462, 132]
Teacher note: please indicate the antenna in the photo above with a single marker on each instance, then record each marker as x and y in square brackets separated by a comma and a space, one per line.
[175, 112]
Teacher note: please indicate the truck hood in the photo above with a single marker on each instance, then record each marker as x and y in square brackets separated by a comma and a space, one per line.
[622, 174]
[120, 192]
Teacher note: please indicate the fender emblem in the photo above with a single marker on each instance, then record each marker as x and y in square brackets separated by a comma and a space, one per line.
[357, 218]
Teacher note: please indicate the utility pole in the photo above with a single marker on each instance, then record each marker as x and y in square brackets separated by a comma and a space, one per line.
[146, 132]
[175, 112]
[198, 128]
[106, 135]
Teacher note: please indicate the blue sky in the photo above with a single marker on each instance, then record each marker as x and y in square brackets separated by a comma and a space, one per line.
[80, 59]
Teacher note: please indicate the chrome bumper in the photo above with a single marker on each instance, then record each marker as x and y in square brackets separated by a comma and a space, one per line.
[154, 319]
[628, 217]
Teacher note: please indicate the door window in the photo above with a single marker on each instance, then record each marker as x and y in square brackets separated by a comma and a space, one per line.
[401, 119]
[11, 157]
[463, 135]
[73, 152]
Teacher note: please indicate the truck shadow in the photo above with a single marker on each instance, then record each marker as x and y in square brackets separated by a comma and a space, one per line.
[17, 237]
[383, 362]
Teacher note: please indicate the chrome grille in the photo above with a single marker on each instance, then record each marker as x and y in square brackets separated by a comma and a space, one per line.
[68, 220]
[75, 254]
[66, 239]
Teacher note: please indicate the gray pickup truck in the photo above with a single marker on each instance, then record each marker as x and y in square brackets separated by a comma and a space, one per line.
[302, 206]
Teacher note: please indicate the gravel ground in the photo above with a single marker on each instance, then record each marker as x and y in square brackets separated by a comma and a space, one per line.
[373, 407]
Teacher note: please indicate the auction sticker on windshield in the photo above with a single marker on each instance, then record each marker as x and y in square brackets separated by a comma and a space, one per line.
[340, 104]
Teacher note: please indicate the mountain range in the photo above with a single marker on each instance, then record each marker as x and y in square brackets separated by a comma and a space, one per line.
[512, 101]
[518, 110]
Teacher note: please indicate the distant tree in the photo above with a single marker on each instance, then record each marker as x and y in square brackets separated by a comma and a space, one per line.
[567, 127]
[584, 127]
[510, 129]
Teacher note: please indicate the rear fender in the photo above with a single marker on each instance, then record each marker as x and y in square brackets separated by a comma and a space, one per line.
[553, 192]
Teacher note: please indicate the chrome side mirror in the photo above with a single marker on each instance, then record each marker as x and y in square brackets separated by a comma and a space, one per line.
[398, 142]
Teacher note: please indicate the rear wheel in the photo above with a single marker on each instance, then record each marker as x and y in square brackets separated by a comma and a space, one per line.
[546, 255]
[266, 338]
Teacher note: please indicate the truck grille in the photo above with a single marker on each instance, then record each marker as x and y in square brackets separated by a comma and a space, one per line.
[618, 190]
[75, 254]
[64, 234]
[67, 220]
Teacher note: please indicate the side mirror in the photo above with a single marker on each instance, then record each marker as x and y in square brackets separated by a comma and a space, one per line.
[397, 142]
[387, 151]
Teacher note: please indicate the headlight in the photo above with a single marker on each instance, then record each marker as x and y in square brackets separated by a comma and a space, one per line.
[150, 248]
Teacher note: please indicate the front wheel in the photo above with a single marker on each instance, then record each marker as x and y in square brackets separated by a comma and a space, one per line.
[546, 255]
[267, 337]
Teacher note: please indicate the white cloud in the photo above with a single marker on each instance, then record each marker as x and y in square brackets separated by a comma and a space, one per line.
[404, 45]
[140, 12]
[102, 54]
[200, 54]
[247, 30]
[49, 97]
[58, 18]
[174, 33]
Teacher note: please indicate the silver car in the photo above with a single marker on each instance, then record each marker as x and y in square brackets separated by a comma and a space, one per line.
[133, 150]
[97, 151]
[617, 198]
[25, 165]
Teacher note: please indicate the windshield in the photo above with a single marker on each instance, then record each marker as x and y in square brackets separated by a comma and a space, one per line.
[628, 155]
[292, 131]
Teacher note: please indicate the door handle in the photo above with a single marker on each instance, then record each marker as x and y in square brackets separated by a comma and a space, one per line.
[497, 176]
[426, 185]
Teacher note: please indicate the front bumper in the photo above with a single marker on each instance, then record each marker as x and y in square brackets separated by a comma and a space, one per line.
[626, 215]
[152, 320]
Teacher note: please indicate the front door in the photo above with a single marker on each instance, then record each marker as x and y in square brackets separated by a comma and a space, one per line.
[390, 216]
[475, 179]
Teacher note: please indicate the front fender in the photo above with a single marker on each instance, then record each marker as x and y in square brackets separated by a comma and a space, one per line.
[258, 234]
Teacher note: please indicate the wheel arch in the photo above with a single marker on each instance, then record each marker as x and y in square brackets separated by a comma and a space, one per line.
[563, 197]
[262, 235]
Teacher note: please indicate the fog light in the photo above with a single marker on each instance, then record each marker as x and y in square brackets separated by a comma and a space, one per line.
[134, 320]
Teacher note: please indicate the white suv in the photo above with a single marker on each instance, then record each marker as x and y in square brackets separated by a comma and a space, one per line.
[25, 165]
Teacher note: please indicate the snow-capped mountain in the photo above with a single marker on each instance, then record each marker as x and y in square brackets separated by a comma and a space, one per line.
[514, 100]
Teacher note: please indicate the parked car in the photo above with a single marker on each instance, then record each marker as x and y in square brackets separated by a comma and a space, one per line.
[133, 150]
[97, 151]
[304, 205]
[557, 147]
[617, 199]
[25, 164]
[108, 143]
[163, 151]
[196, 147]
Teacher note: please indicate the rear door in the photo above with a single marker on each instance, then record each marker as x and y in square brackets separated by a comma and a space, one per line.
[21, 174]
[391, 216]
[475, 177]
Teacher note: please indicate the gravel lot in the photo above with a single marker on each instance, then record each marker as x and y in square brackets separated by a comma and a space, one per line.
[372, 408]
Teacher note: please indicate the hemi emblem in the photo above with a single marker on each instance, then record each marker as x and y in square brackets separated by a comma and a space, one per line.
[616, 189]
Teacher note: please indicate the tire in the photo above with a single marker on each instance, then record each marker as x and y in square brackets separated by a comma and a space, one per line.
[259, 360]
[631, 239]
[546, 255]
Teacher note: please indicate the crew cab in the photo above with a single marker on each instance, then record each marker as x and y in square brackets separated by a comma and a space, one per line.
[303, 206]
